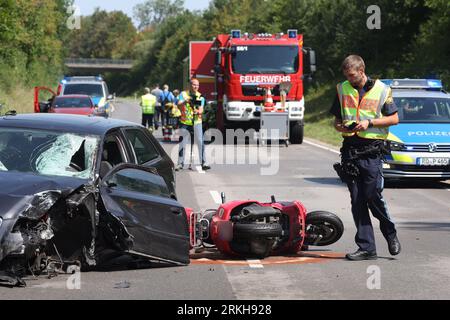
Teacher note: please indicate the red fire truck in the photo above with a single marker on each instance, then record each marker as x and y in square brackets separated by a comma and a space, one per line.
[241, 75]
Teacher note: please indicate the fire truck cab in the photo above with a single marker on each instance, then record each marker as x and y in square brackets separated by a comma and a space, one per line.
[239, 72]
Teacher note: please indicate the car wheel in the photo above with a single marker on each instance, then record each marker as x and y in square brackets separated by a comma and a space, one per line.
[296, 134]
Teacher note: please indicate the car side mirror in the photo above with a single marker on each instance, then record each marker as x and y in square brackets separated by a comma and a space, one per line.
[110, 97]
[310, 56]
[312, 59]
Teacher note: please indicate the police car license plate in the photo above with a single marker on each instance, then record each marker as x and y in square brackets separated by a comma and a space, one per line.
[434, 161]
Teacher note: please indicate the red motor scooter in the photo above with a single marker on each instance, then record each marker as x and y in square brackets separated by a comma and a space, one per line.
[254, 229]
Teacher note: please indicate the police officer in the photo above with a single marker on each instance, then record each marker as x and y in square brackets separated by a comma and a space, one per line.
[364, 110]
[191, 104]
[148, 102]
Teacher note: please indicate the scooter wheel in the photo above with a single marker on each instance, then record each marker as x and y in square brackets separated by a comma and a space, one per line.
[323, 223]
[257, 230]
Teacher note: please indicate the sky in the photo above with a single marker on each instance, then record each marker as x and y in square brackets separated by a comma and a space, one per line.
[87, 6]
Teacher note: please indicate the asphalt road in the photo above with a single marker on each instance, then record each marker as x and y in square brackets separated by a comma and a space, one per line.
[303, 172]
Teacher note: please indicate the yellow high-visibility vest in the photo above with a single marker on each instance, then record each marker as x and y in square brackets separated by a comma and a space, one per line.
[187, 112]
[148, 103]
[369, 107]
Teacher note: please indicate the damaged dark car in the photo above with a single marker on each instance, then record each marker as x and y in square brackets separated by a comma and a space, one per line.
[79, 191]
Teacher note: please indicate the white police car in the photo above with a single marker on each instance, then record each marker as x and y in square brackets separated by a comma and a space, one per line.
[420, 143]
[91, 86]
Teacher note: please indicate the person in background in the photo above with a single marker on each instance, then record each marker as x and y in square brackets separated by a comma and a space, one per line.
[174, 112]
[176, 95]
[148, 102]
[158, 110]
[191, 105]
[166, 99]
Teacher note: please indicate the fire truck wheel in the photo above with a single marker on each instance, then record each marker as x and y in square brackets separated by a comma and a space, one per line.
[296, 134]
[324, 224]
[257, 230]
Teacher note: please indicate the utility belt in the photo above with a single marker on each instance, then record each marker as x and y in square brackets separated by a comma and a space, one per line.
[348, 169]
[377, 148]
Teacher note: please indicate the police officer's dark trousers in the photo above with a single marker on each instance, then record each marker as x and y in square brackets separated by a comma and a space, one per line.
[365, 191]
[147, 120]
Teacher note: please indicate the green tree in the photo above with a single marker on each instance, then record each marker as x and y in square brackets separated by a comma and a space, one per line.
[430, 51]
[338, 28]
[169, 47]
[410, 30]
[103, 35]
[31, 47]
[224, 15]
[154, 12]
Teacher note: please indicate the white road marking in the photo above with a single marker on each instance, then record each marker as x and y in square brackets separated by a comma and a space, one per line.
[216, 196]
[255, 264]
[321, 147]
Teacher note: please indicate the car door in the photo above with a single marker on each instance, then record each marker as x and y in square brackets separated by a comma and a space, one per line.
[42, 106]
[147, 152]
[140, 198]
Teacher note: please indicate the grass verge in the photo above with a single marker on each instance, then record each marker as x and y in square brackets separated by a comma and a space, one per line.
[17, 98]
[318, 120]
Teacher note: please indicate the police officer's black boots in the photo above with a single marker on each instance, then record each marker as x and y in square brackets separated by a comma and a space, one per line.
[394, 246]
[362, 255]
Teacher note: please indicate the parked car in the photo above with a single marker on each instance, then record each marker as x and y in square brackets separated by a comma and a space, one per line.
[75, 104]
[82, 188]
[95, 87]
[420, 143]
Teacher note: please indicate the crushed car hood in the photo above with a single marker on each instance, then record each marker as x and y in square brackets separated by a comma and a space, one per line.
[32, 190]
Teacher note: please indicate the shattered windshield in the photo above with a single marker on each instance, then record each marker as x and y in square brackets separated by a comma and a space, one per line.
[48, 153]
